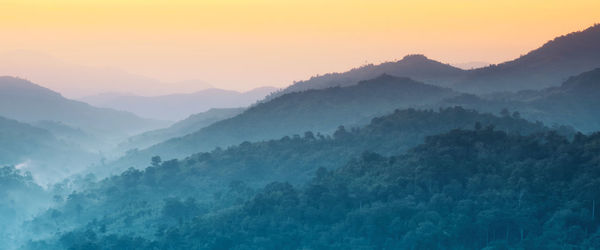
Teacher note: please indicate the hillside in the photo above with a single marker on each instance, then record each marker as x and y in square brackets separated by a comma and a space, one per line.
[460, 190]
[176, 107]
[25, 101]
[314, 110]
[417, 67]
[547, 66]
[21, 199]
[434, 187]
[37, 150]
[20, 141]
[187, 126]
[574, 103]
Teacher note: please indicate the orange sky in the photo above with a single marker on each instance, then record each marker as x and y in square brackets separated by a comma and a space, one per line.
[244, 44]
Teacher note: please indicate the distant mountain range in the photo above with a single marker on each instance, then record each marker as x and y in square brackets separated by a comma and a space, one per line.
[544, 67]
[417, 67]
[25, 101]
[319, 110]
[75, 81]
[322, 103]
[178, 106]
[574, 104]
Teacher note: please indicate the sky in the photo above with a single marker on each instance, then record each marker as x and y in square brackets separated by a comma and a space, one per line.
[242, 44]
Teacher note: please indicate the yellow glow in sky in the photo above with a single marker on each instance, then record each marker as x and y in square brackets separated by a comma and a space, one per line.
[244, 44]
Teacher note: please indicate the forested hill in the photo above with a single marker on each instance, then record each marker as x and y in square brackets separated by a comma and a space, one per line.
[314, 110]
[35, 149]
[463, 189]
[21, 198]
[575, 103]
[20, 141]
[23, 143]
[136, 197]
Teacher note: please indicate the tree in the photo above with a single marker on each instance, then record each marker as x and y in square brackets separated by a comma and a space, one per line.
[156, 160]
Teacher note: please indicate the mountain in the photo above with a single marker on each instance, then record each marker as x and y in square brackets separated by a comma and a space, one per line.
[74, 81]
[547, 66]
[19, 141]
[76, 136]
[574, 103]
[37, 150]
[187, 126]
[417, 67]
[25, 101]
[320, 110]
[178, 106]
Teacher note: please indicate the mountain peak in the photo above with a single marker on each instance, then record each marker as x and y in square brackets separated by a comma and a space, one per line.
[415, 58]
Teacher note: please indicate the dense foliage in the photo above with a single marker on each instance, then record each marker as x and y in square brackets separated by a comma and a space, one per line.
[465, 189]
[215, 198]
[20, 198]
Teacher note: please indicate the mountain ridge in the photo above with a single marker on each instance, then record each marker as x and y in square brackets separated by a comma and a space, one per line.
[26, 101]
[176, 107]
[318, 110]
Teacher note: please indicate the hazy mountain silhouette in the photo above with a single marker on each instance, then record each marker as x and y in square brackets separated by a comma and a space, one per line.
[417, 67]
[20, 141]
[546, 66]
[37, 150]
[178, 106]
[25, 101]
[75, 81]
[72, 135]
[189, 125]
[313, 110]
[575, 103]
